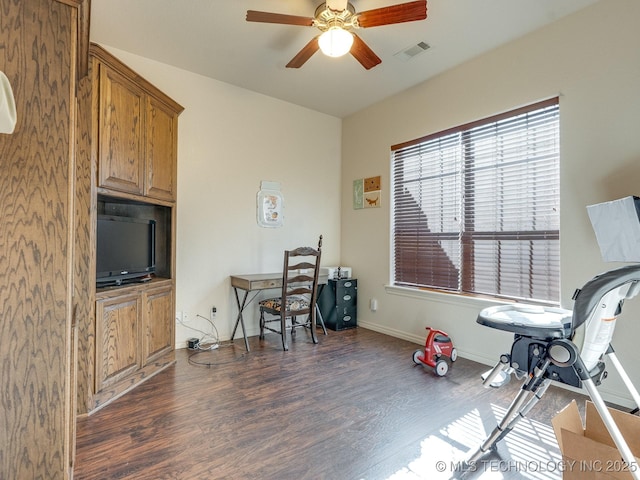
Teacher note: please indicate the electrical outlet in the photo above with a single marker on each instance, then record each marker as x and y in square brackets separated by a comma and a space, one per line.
[373, 304]
[214, 312]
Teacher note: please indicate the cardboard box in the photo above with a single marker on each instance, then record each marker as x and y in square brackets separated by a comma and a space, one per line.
[588, 451]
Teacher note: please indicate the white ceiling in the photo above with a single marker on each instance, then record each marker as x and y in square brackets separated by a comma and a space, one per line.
[212, 38]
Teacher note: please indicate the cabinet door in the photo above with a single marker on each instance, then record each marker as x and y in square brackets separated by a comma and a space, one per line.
[158, 324]
[117, 338]
[122, 142]
[162, 150]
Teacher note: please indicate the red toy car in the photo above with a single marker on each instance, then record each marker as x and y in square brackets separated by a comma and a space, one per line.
[437, 348]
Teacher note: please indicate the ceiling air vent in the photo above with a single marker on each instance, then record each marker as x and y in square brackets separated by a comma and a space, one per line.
[412, 51]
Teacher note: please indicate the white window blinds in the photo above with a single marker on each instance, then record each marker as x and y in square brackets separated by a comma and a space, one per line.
[476, 208]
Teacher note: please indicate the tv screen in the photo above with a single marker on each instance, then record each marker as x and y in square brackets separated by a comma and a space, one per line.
[125, 249]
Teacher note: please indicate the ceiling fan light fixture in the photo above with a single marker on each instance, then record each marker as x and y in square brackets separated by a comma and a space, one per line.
[335, 42]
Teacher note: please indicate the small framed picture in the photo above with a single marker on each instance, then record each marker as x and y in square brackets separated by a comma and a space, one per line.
[367, 192]
[269, 209]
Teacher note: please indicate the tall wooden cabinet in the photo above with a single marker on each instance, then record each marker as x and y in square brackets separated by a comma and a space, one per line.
[91, 137]
[134, 157]
[45, 224]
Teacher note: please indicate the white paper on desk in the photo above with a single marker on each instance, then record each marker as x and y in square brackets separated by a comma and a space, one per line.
[617, 228]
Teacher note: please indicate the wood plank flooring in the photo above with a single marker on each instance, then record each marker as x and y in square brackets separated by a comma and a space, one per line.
[355, 406]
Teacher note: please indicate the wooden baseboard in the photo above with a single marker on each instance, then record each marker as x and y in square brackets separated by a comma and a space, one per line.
[128, 383]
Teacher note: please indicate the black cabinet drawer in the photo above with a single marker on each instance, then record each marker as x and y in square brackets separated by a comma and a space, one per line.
[346, 317]
[344, 287]
[346, 292]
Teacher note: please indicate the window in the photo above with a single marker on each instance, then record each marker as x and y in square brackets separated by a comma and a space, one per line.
[476, 208]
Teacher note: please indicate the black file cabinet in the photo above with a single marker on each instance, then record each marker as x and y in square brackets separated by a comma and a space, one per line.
[338, 303]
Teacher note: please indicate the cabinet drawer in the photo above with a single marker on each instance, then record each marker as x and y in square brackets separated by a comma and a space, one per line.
[346, 300]
[346, 287]
[346, 322]
[342, 317]
[347, 314]
[345, 318]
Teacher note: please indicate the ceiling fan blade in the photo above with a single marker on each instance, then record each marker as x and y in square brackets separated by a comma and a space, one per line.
[337, 5]
[304, 54]
[405, 12]
[268, 17]
[361, 51]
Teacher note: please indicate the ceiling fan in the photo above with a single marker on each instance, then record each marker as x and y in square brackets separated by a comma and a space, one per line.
[337, 19]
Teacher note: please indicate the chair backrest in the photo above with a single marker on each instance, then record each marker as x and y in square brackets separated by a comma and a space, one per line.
[300, 276]
[597, 305]
[591, 294]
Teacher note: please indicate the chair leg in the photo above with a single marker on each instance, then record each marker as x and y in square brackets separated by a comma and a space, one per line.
[261, 325]
[623, 374]
[312, 319]
[283, 332]
[522, 413]
[294, 324]
[520, 406]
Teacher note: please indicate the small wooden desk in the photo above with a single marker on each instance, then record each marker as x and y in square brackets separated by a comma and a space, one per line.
[256, 282]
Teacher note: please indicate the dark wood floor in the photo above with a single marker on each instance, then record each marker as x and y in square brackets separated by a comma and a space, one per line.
[352, 407]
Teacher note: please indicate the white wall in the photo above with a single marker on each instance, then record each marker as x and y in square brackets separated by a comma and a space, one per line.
[591, 60]
[229, 139]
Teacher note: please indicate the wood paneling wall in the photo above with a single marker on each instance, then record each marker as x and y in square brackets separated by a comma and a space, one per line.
[39, 42]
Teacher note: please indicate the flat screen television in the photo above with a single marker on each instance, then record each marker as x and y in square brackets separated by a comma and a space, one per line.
[126, 249]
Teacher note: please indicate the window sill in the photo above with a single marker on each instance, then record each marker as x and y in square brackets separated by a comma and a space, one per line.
[475, 301]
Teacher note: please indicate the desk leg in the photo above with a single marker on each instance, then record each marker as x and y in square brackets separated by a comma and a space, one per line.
[319, 315]
[240, 318]
[321, 287]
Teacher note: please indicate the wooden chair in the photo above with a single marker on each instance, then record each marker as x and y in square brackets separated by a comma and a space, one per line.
[298, 297]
